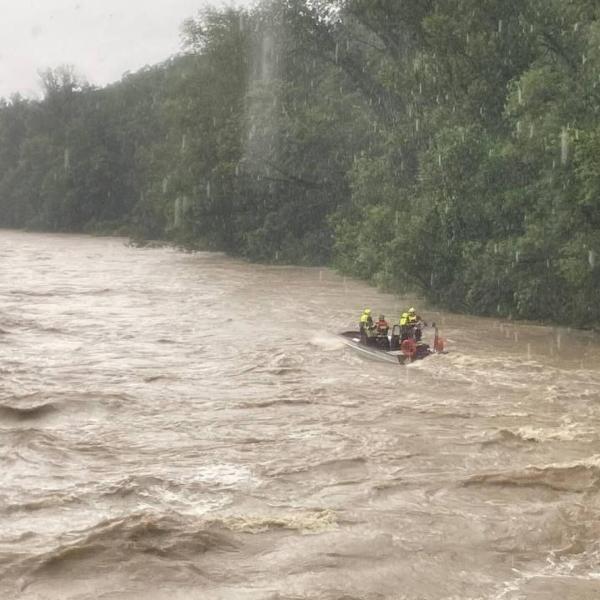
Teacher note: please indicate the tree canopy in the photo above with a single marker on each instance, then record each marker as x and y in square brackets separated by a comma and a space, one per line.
[452, 147]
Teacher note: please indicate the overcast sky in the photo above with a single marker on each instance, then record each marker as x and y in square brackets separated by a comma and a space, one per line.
[101, 38]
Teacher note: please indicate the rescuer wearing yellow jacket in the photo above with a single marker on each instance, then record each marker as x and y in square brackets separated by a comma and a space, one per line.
[366, 325]
[410, 325]
[414, 322]
[405, 328]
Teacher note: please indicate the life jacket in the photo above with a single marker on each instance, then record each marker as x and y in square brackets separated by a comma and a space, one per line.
[382, 326]
[366, 322]
[404, 319]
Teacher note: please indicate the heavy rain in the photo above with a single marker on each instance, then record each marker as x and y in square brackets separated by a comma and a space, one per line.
[300, 300]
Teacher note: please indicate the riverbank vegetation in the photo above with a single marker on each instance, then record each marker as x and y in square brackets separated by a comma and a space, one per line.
[452, 146]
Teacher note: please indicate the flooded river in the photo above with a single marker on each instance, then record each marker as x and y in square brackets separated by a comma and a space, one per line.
[182, 426]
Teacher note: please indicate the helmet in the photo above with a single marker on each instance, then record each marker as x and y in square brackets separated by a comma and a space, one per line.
[412, 310]
[367, 311]
[381, 317]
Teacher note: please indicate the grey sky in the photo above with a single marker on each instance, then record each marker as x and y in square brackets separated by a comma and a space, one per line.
[101, 38]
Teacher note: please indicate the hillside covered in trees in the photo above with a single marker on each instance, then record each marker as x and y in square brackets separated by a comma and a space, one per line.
[452, 146]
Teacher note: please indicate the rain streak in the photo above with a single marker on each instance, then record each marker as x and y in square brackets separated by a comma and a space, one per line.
[301, 302]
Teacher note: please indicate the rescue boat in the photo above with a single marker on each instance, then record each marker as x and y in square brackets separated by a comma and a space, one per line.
[391, 348]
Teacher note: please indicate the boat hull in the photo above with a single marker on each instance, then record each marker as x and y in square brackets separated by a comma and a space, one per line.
[352, 339]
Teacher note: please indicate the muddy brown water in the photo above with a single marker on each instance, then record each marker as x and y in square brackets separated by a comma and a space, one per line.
[181, 426]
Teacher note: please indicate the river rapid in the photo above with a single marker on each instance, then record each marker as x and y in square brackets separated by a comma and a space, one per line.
[182, 426]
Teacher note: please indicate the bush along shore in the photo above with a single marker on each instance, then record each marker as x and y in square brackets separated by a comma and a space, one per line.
[450, 147]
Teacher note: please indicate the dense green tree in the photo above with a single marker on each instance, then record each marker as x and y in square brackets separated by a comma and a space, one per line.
[446, 146]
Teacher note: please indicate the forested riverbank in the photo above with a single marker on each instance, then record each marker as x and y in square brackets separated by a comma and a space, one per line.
[452, 146]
